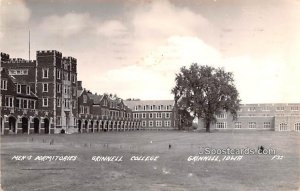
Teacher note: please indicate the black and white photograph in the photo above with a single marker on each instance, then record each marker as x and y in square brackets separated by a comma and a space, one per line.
[152, 95]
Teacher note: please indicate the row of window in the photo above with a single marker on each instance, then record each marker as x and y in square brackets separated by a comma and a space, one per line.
[252, 125]
[152, 107]
[84, 109]
[278, 108]
[19, 89]
[157, 123]
[18, 72]
[25, 103]
[20, 102]
[67, 89]
[66, 75]
[151, 115]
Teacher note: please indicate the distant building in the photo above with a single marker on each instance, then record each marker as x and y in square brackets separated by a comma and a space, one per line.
[278, 117]
[154, 114]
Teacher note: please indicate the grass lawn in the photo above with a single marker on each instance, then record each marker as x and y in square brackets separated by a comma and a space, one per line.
[172, 171]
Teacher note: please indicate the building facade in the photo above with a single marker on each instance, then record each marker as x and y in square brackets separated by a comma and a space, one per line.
[154, 114]
[42, 96]
[103, 113]
[275, 117]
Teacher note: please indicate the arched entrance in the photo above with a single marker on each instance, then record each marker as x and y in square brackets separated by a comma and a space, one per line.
[12, 124]
[97, 125]
[92, 126]
[24, 125]
[86, 126]
[79, 126]
[46, 126]
[36, 124]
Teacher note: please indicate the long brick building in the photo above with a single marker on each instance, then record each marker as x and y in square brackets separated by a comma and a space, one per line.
[44, 96]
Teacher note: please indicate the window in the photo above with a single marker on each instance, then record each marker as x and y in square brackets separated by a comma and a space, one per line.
[143, 123]
[18, 72]
[167, 123]
[81, 109]
[265, 108]
[45, 87]
[143, 115]
[9, 101]
[28, 90]
[151, 107]
[252, 109]
[45, 102]
[252, 125]
[267, 124]
[159, 107]
[58, 120]
[84, 99]
[88, 110]
[58, 102]
[167, 115]
[3, 84]
[74, 91]
[150, 115]
[280, 108]
[150, 123]
[74, 78]
[297, 126]
[67, 103]
[221, 116]
[74, 104]
[18, 105]
[158, 115]
[25, 103]
[58, 74]
[294, 108]
[19, 88]
[238, 125]
[45, 72]
[283, 127]
[58, 87]
[167, 107]
[221, 125]
[158, 123]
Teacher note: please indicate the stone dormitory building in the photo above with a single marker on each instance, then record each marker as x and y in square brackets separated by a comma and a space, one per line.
[44, 96]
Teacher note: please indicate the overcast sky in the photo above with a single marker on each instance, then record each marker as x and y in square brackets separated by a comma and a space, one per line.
[134, 48]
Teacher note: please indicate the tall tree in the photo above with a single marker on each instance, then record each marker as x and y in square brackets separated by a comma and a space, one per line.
[205, 92]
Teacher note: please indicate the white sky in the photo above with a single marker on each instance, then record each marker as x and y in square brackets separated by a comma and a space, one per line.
[134, 48]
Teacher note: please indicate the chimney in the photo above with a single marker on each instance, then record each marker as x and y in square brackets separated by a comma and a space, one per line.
[79, 85]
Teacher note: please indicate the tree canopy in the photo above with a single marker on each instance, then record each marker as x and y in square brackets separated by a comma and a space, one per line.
[205, 92]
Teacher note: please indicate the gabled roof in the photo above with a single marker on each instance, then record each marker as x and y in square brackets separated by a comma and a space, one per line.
[132, 104]
[96, 98]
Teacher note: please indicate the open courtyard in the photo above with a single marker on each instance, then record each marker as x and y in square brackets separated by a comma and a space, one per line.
[24, 168]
